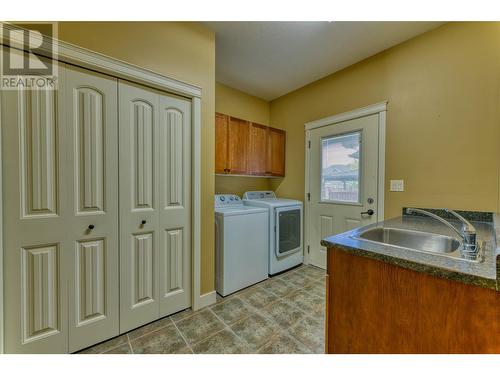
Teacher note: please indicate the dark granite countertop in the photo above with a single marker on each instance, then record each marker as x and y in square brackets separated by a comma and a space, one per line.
[485, 273]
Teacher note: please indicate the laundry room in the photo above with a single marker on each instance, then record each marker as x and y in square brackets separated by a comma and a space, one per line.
[259, 257]
[250, 187]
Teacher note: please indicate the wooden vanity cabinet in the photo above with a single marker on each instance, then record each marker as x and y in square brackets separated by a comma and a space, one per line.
[375, 307]
[247, 148]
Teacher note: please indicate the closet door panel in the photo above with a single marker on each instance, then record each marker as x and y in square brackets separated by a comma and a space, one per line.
[142, 270]
[91, 160]
[35, 230]
[90, 283]
[40, 272]
[174, 158]
[139, 202]
[143, 149]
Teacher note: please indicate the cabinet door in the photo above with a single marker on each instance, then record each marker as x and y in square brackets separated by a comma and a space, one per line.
[237, 146]
[174, 235]
[257, 150]
[276, 152]
[139, 230]
[91, 175]
[221, 143]
[34, 227]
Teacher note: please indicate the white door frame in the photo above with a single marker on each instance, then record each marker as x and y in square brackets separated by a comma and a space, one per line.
[378, 108]
[72, 54]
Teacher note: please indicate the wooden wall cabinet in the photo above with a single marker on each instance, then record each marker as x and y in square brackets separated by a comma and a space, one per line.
[237, 146]
[221, 126]
[231, 144]
[247, 148]
[275, 165]
[258, 140]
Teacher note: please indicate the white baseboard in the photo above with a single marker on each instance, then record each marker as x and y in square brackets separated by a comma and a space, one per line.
[206, 300]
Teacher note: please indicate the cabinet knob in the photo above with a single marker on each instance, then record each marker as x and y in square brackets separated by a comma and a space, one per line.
[91, 226]
[143, 222]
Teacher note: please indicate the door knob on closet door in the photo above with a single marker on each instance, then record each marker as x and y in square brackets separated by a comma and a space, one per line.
[143, 222]
[91, 226]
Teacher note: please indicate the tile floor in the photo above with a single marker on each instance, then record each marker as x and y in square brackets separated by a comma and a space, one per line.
[284, 314]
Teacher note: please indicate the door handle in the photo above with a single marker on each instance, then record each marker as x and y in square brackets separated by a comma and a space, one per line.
[369, 212]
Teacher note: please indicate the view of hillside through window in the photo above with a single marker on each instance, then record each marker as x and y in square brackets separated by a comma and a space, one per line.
[340, 168]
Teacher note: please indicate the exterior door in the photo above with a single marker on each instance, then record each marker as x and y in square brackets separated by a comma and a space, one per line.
[90, 172]
[35, 230]
[343, 175]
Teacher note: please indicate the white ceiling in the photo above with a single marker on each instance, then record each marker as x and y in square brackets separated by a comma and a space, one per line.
[270, 59]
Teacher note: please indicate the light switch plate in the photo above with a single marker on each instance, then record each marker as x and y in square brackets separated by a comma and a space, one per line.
[397, 185]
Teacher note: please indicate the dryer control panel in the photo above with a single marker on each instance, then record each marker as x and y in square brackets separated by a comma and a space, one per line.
[259, 195]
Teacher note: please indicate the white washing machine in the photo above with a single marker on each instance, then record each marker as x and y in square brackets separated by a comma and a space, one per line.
[241, 243]
[285, 229]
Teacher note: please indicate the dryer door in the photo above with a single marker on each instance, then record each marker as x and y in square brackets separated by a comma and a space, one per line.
[288, 230]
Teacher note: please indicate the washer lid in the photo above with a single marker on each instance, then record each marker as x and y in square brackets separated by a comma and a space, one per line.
[242, 210]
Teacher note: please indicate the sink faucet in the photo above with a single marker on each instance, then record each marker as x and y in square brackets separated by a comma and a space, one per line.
[467, 233]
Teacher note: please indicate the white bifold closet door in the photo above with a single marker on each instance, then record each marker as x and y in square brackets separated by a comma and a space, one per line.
[34, 221]
[90, 160]
[155, 190]
[59, 179]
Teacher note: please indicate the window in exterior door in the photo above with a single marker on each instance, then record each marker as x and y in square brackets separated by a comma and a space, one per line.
[340, 168]
[289, 230]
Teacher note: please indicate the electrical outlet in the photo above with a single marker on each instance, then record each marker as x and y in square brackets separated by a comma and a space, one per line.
[397, 185]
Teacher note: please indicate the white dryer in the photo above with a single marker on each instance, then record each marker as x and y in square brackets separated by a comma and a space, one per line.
[241, 243]
[285, 229]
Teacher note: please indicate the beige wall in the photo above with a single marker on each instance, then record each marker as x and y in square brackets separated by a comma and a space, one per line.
[181, 50]
[443, 122]
[239, 104]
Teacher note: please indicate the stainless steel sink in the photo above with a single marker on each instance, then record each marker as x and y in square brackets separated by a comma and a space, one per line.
[410, 239]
